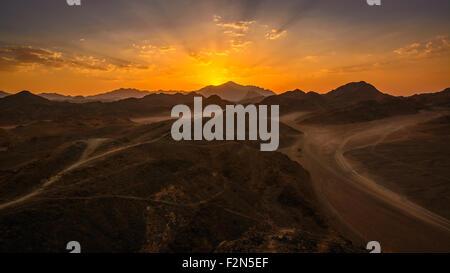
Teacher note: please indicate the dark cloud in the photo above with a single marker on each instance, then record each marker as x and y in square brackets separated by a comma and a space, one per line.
[15, 57]
[39, 17]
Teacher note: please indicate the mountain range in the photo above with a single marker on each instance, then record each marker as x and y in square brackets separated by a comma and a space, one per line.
[115, 95]
[344, 95]
[353, 102]
[229, 91]
[97, 172]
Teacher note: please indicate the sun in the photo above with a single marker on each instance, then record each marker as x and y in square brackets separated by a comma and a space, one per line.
[217, 80]
[213, 78]
[213, 75]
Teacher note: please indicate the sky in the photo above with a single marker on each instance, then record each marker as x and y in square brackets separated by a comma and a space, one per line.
[402, 47]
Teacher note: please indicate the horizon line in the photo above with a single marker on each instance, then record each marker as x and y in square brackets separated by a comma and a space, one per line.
[212, 85]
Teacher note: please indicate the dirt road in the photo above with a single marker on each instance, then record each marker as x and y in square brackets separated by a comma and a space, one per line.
[360, 207]
[85, 158]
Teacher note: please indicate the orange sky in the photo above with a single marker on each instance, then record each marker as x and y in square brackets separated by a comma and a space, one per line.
[318, 52]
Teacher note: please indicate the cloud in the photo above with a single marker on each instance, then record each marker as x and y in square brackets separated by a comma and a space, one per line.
[238, 25]
[275, 34]
[404, 56]
[234, 34]
[206, 57]
[238, 44]
[354, 68]
[147, 49]
[13, 58]
[311, 58]
[237, 30]
[217, 18]
[201, 57]
[435, 47]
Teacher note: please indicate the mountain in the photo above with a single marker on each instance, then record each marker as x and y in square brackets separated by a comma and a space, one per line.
[59, 97]
[435, 99]
[25, 107]
[296, 100]
[353, 102]
[344, 96]
[234, 92]
[119, 94]
[152, 104]
[366, 110]
[252, 97]
[4, 94]
[353, 93]
[115, 95]
[22, 98]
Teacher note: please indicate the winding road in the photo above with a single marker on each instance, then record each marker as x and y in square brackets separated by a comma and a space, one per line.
[84, 159]
[361, 208]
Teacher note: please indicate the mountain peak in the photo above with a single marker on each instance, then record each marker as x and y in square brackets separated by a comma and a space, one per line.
[234, 92]
[120, 90]
[230, 84]
[361, 84]
[355, 89]
[297, 93]
[25, 97]
[355, 92]
[25, 93]
[119, 94]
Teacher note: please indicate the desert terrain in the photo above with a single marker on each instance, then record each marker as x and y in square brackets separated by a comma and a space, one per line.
[354, 165]
[365, 200]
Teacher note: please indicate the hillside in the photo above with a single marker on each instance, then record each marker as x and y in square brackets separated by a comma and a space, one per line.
[3, 94]
[153, 194]
[353, 93]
